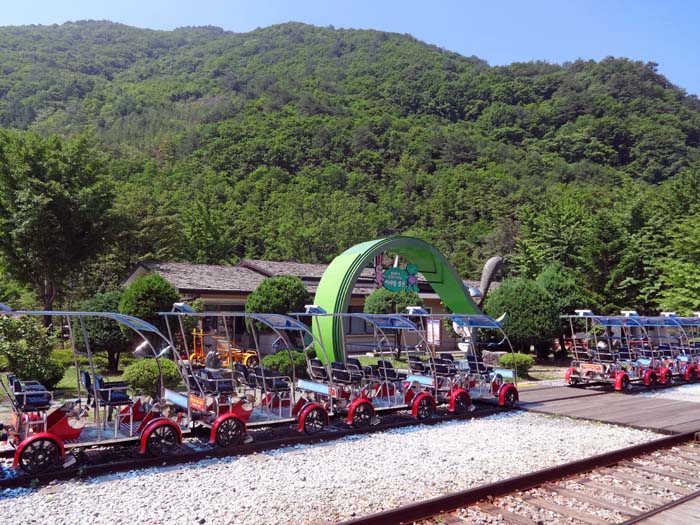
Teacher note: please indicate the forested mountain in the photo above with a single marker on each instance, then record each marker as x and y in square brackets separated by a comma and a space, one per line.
[295, 142]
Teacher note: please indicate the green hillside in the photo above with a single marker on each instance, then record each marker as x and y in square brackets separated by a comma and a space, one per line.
[294, 142]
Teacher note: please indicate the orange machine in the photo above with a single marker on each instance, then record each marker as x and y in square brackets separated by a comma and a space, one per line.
[202, 341]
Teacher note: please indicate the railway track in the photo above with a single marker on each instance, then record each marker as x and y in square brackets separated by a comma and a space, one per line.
[623, 486]
[100, 461]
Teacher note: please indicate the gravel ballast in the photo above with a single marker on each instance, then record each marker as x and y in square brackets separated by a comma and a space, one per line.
[683, 392]
[324, 483]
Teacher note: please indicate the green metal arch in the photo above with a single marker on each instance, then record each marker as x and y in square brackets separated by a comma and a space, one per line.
[335, 289]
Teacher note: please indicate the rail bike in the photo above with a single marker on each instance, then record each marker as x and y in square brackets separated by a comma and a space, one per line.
[615, 350]
[432, 379]
[218, 404]
[43, 432]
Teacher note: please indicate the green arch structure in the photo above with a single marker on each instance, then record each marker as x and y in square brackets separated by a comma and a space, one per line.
[335, 289]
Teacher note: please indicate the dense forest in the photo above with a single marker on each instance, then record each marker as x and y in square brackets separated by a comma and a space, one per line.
[294, 142]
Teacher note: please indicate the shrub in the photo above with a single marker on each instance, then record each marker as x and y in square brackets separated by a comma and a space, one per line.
[278, 295]
[280, 361]
[27, 346]
[147, 296]
[143, 375]
[521, 363]
[532, 314]
[383, 301]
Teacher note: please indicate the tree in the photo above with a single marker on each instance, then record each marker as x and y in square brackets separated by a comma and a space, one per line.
[561, 284]
[104, 334]
[279, 295]
[147, 296]
[54, 209]
[532, 313]
[383, 301]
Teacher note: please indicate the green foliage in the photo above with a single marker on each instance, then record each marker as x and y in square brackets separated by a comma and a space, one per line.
[143, 375]
[532, 314]
[521, 363]
[294, 142]
[54, 209]
[27, 347]
[562, 285]
[280, 362]
[65, 357]
[383, 301]
[104, 334]
[278, 295]
[146, 296]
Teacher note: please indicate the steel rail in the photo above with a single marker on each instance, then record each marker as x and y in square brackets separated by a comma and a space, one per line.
[429, 508]
[144, 462]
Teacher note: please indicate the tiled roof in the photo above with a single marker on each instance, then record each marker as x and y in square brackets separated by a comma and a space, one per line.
[301, 270]
[249, 273]
[206, 277]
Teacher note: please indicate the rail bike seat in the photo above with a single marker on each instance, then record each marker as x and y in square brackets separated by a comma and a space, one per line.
[112, 393]
[270, 380]
[387, 371]
[416, 364]
[244, 374]
[342, 374]
[29, 396]
[443, 367]
[477, 365]
[317, 369]
[354, 366]
[445, 356]
[219, 381]
[625, 354]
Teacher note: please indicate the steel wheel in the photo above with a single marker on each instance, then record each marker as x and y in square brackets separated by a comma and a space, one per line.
[461, 403]
[362, 417]
[314, 421]
[692, 376]
[40, 455]
[653, 381]
[425, 408]
[229, 433]
[625, 385]
[509, 398]
[162, 440]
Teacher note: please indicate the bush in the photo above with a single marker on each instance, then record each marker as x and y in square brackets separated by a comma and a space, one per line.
[27, 346]
[280, 362]
[147, 296]
[383, 301]
[532, 312]
[521, 363]
[143, 375]
[278, 295]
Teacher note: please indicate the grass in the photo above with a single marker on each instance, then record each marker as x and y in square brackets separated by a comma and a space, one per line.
[68, 386]
[366, 360]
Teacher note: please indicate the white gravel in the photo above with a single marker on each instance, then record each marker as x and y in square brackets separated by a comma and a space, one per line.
[683, 392]
[324, 483]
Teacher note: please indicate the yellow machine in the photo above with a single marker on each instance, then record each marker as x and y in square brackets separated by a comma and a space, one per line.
[226, 350]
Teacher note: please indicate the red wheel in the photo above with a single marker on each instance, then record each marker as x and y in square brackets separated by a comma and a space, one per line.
[41, 455]
[162, 440]
[314, 421]
[425, 408]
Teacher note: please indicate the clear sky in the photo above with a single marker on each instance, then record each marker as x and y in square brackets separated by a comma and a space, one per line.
[499, 31]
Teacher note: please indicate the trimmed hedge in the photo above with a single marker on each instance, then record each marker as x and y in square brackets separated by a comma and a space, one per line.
[143, 375]
[519, 362]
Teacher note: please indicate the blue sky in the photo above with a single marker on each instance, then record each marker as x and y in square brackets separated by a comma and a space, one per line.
[501, 32]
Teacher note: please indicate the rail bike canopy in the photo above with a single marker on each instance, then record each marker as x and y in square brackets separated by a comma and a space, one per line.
[475, 321]
[607, 321]
[272, 321]
[136, 324]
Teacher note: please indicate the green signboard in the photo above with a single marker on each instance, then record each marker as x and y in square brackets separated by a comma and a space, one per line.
[395, 279]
